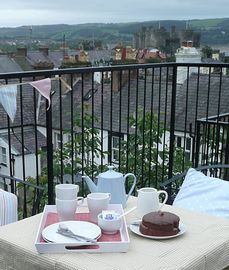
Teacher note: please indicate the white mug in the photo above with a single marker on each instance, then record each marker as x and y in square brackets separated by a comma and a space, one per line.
[148, 201]
[66, 209]
[97, 202]
[66, 191]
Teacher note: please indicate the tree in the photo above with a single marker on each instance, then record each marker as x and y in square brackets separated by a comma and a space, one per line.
[78, 155]
[140, 153]
[207, 51]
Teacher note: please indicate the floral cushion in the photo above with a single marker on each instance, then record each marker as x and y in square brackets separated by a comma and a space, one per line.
[205, 194]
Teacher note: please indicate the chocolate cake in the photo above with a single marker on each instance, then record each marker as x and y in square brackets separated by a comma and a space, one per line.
[159, 224]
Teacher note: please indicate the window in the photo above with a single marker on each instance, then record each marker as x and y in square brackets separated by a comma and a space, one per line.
[115, 148]
[89, 94]
[178, 141]
[185, 143]
[3, 157]
[57, 140]
[188, 144]
[188, 149]
[187, 156]
[115, 145]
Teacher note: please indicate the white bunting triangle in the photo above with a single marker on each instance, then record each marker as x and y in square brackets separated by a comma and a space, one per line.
[8, 99]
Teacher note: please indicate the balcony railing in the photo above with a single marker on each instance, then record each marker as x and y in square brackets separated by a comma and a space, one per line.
[153, 120]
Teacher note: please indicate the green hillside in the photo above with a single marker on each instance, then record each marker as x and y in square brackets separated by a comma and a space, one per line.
[206, 23]
[213, 31]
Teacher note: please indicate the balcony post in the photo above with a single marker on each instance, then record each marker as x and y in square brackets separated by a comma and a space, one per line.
[172, 122]
[49, 154]
[197, 148]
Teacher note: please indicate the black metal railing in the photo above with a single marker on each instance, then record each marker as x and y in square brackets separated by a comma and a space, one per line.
[30, 204]
[144, 119]
[213, 140]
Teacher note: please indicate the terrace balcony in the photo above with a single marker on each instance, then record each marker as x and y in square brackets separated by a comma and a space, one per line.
[154, 120]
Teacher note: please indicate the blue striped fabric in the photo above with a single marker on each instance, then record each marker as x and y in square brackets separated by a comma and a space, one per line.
[8, 207]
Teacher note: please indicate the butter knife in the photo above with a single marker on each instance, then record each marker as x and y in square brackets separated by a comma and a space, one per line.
[65, 231]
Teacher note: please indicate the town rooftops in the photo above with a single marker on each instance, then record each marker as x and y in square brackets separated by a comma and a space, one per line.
[7, 64]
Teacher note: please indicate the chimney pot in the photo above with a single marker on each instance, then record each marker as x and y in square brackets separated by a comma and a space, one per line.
[44, 50]
[22, 52]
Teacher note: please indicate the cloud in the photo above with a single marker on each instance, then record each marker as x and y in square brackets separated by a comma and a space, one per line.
[27, 12]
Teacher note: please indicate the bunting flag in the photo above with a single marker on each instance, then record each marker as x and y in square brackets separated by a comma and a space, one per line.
[8, 99]
[44, 87]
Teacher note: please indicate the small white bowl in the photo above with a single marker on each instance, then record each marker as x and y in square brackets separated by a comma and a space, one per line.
[109, 226]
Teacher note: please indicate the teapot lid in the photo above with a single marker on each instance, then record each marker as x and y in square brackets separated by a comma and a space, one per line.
[111, 174]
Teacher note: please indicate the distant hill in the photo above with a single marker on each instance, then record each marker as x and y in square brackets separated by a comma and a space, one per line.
[213, 31]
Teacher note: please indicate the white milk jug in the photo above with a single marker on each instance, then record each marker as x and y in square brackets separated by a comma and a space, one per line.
[148, 200]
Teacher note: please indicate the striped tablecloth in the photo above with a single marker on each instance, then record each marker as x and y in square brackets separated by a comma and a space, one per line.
[205, 245]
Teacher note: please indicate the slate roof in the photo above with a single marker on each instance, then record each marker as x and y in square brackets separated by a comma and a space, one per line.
[56, 57]
[142, 95]
[207, 91]
[97, 55]
[8, 65]
[36, 57]
[28, 109]
[211, 61]
[161, 102]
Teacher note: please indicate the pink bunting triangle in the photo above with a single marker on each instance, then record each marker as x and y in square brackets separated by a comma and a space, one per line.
[44, 87]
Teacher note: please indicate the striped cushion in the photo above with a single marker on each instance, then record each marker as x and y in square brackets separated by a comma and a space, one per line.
[8, 207]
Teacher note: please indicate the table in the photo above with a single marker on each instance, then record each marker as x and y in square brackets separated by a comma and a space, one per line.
[205, 245]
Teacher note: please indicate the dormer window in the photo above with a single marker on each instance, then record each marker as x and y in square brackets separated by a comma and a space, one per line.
[3, 158]
[88, 95]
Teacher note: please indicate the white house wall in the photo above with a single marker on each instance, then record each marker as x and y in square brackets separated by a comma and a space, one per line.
[5, 169]
[30, 166]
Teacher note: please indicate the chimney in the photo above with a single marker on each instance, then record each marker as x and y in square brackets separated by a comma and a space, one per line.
[189, 44]
[124, 77]
[77, 58]
[184, 44]
[44, 50]
[123, 54]
[22, 52]
[115, 81]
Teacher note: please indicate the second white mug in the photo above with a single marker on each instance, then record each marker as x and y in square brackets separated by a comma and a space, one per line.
[66, 209]
[97, 202]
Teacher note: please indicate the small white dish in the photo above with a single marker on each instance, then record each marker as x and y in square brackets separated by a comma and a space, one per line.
[83, 228]
[135, 229]
[109, 226]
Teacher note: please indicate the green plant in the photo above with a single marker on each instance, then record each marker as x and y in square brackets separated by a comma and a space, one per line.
[140, 153]
[35, 198]
[79, 155]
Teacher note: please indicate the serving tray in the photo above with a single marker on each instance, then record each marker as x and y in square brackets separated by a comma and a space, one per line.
[118, 242]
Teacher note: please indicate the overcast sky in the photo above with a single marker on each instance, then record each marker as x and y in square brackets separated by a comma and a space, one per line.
[37, 12]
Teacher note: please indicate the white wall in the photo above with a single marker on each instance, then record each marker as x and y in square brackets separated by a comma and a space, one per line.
[30, 166]
[5, 169]
[186, 55]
